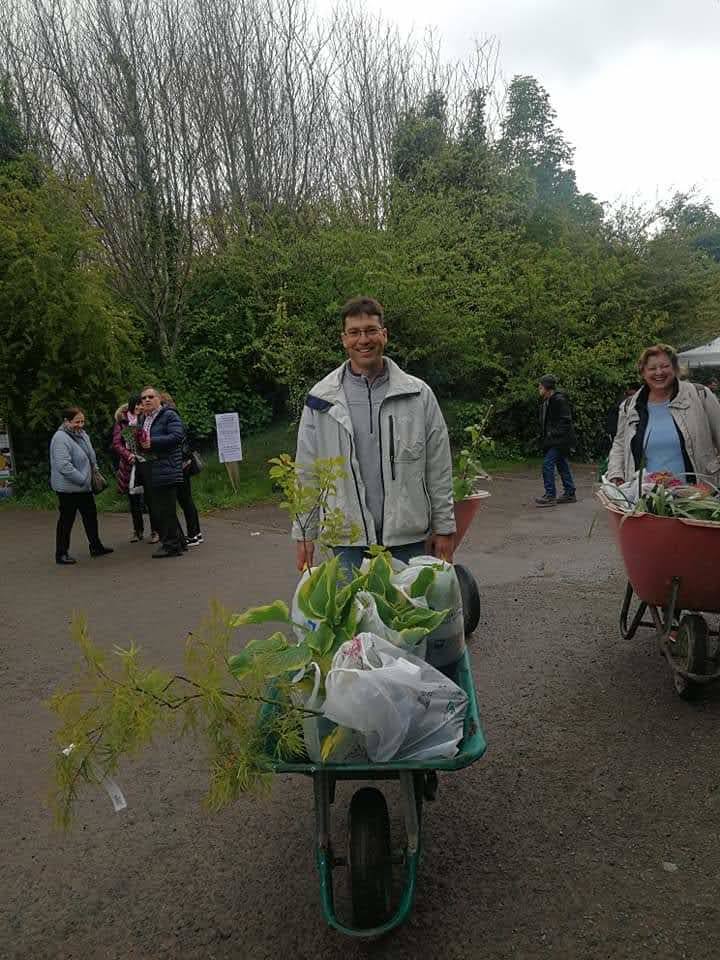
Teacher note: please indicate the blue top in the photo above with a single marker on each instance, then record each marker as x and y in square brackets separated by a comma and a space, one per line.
[662, 449]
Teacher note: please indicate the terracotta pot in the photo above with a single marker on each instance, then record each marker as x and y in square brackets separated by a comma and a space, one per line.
[465, 511]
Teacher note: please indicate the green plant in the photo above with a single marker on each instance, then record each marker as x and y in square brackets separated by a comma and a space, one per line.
[249, 706]
[468, 468]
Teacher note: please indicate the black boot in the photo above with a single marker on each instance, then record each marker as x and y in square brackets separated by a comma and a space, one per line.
[65, 560]
[100, 551]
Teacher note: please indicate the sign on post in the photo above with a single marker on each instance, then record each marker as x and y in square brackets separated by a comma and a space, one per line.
[227, 426]
[7, 466]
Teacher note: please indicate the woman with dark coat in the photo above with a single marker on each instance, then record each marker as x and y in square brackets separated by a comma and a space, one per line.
[160, 436]
[125, 450]
[72, 461]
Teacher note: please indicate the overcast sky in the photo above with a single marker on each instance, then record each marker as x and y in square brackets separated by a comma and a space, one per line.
[634, 82]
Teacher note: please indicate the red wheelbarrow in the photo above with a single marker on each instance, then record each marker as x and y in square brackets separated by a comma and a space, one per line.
[673, 569]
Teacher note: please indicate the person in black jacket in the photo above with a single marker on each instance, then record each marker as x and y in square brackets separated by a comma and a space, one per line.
[558, 438]
[160, 437]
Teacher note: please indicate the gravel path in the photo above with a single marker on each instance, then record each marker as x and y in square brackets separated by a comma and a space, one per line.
[589, 830]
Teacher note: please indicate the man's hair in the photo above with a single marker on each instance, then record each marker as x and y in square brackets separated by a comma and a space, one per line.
[548, 381]
[357, 306]
[69, 413]
[654, 351]
[150, 387]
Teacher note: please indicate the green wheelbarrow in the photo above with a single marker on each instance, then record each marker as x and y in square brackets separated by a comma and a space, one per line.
[370, 857]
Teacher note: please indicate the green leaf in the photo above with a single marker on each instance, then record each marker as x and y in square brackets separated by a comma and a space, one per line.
[322, 639]
[423, 582]
[276, 612]
[243, 662]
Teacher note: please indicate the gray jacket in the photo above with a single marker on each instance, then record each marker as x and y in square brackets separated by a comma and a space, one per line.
[415, 460]
[71, 462]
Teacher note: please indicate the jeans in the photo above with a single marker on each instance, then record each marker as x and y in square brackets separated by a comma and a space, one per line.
[554, 457]
[164, 513]
[69, 504]
[136, 509]
[353, 556]
[187, 505]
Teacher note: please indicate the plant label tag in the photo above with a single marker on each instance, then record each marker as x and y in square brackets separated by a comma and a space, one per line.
[115, 793]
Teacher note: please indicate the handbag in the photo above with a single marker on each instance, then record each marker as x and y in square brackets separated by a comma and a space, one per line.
[98, 481]
[195, 464]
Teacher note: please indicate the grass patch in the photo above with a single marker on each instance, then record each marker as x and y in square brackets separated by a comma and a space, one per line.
[211, 488]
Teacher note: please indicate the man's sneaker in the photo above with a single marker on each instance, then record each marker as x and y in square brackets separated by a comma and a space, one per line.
[194, 541]
[567, 498]
[545, 501]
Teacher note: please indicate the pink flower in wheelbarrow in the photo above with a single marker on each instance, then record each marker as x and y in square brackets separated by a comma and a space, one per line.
[663, 478]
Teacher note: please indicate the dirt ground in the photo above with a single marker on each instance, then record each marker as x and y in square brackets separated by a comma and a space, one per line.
[589, 829]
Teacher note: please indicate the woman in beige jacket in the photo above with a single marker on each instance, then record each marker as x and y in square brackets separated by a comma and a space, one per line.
[668, 425]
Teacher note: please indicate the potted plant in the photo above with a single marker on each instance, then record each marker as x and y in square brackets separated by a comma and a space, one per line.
[469, 474]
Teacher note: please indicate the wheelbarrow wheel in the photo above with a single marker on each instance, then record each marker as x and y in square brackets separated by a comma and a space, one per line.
[690, 647]
[369, 858]
[470, 598]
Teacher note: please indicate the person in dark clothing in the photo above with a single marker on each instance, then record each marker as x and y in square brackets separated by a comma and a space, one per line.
[160, 439]
[193, 535]
[558, 438]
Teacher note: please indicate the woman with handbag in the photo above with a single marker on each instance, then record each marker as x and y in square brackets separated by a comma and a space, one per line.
[75, 477]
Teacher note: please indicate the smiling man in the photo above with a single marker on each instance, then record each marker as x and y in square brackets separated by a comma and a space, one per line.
[389, 428]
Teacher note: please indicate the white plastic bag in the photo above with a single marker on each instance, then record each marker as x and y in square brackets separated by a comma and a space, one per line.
[301, 623]
[446, 644]
[314, 728]
[134, 488]
[404, 708]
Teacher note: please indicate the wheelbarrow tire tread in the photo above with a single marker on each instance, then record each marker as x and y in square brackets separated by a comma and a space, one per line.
[470, 598]
[693, 630]
[369, 858]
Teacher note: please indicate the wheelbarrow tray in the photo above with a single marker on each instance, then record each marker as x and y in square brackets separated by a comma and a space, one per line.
[471, 747]
[660, 551]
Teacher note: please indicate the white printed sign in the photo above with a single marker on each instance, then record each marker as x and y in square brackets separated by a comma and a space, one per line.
[228, 437]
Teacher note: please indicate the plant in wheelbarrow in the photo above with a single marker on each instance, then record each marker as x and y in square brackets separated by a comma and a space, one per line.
[260, 710]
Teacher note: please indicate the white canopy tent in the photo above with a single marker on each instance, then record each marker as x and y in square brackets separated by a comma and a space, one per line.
[705, 356]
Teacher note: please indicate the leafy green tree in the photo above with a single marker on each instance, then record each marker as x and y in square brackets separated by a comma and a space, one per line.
[63, 339]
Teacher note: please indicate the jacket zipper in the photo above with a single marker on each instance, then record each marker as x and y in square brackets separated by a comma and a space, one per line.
[369, 392]
[357, 489]
[380, 452]
[391, 421]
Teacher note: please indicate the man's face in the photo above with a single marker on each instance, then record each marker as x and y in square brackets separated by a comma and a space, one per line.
[543, 391]
[364, 340]
[150, 400]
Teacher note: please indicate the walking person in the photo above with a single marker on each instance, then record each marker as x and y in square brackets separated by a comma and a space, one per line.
[558, 438]
[72, 465]
[125, 448]
[160, 437]
[389, 428]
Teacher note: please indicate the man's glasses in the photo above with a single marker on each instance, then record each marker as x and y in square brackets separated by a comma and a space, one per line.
[369, 332]
[149, 396]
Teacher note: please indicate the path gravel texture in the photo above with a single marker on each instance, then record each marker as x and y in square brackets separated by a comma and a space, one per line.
[589, 829]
